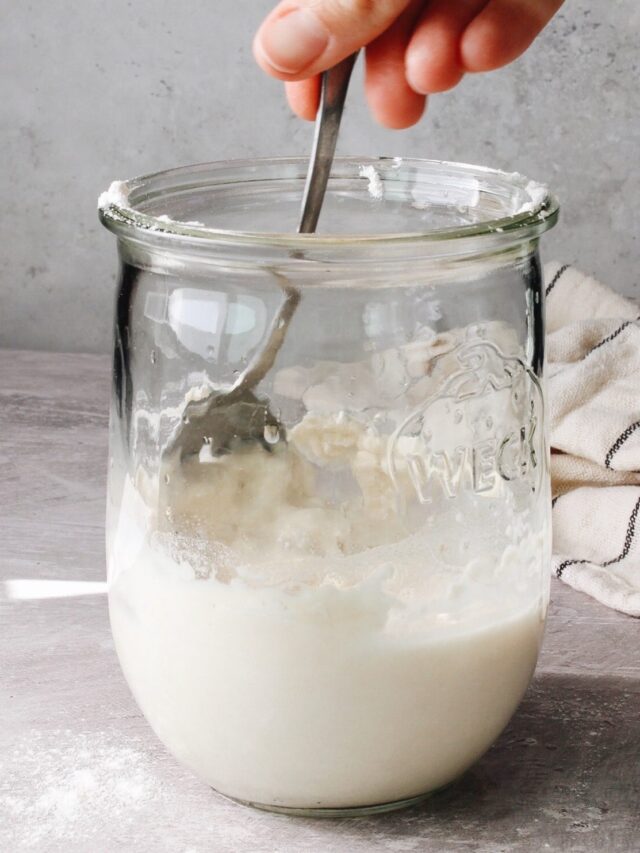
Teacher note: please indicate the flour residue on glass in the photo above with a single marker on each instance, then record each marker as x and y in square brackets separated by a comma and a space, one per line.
[375, 183]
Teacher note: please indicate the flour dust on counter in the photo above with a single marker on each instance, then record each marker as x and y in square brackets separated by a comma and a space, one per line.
[59, 785]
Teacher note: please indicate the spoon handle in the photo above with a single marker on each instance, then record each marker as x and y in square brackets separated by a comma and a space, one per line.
[335, 83]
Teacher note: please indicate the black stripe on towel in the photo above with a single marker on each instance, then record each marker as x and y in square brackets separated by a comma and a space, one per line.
[556, 278]
[566, 563]
[628, 541]
[615, 447]
[610, 337]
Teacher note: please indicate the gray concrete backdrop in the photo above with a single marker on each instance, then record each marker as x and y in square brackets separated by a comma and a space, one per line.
[95, 90]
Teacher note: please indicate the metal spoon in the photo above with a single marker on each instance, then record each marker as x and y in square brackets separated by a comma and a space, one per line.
[235, 415]
[335, 83]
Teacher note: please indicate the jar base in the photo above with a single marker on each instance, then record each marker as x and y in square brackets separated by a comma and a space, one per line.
[347, 812]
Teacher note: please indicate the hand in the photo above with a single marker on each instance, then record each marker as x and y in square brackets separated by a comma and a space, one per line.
[413, 47]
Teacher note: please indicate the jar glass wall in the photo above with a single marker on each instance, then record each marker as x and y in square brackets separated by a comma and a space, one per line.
[328, 509]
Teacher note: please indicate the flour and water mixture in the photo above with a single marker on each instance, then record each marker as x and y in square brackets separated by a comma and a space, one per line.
[305, 630]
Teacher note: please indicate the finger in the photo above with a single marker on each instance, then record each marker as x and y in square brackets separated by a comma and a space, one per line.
[301, 38]
[304, 97]
[503, 31]
[391, 100]
[433, 56]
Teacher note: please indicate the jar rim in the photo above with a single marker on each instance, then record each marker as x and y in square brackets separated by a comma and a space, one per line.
[119, 206]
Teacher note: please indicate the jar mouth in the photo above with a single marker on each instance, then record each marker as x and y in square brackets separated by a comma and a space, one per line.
[396, 201]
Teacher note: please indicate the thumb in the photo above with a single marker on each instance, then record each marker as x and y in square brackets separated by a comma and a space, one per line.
[301, 38]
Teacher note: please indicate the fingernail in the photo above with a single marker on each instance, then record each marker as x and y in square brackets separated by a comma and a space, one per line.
[293, 42]
[414, 64]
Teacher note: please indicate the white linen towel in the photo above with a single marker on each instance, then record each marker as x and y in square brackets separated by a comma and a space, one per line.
[593, 385]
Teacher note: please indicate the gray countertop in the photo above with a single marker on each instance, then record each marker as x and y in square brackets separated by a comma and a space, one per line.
[81, 771]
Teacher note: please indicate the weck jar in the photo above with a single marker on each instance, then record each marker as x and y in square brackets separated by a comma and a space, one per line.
[328, 507]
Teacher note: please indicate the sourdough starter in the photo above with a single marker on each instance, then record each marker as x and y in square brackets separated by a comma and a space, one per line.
[302, 652]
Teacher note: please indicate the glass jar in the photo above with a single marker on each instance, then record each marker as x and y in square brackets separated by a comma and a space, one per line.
[328, 509]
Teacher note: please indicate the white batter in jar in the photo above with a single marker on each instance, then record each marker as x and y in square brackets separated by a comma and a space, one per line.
[310, 656]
